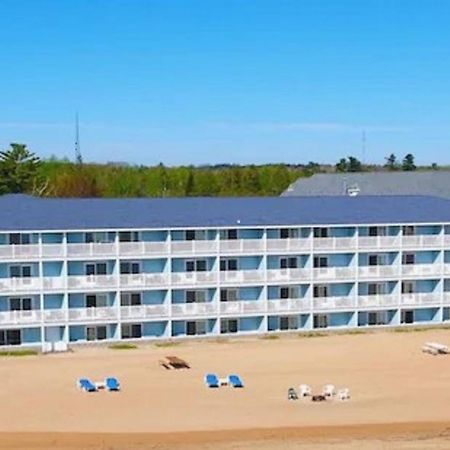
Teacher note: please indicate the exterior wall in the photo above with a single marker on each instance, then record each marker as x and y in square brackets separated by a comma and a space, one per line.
[267, 293]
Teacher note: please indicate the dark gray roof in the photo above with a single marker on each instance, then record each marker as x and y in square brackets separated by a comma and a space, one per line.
[435, 183]
[21, 212]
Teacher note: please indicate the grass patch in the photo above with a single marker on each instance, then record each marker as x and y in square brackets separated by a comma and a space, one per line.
[355, 332]
[18, 353]
[123, 346]
[270, 337]
[313, 334]
[167, 344]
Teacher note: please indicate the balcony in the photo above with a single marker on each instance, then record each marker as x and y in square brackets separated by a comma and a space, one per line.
[423, 241]
[11, 318]
[446, 298]
[289, 245]
[446, 268]
[142, 312]
[243, 307]
[287, 275]
[334, 273]
[143, 248]
[88, 282]
[333, 303]
[378, 301]
[92, 250]
[144, 280]
[194, 309]
[420, 299]
[290, 305]
[241, 276]
[334, 243]
[107, 313]
[379, 242]
[193, 247]
[17, 285]
[384, 271]
[241, 246]
[420, 270]
[193, 278]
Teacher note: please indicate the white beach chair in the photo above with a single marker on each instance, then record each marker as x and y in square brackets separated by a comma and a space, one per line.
[439, 348]
[329, 390]
[304, 390]
[343, 394]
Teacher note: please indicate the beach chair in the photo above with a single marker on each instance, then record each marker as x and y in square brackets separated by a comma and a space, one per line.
[235, 381]
[292, 395]
[86, 385]
[211, 380]
[439, 348]
[328, 390]
[305, 390]
[343, 394]
[112, 384]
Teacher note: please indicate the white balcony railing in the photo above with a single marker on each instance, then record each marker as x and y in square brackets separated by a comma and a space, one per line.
[420, 299]
[446, 268]
[378, 301]
[422, 241]
[241, 246]
[92, 282]
[419, 270]
[194, 309]
[143, 280]
[334, 243]
[54, 315]
[92, 314]
[20, 284]
[20, 317]
[289, 245]
[334, 273]
[193, 247]
[378, 271]
[333, 303]
[287, 275]
[446, 298]
[140, 312]
[241, 276]
[191, 278]
[99, 250]
[379, 242]
[289, 305]
[243, 307]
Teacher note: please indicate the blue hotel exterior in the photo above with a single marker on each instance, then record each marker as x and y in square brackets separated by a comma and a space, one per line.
[79, 270]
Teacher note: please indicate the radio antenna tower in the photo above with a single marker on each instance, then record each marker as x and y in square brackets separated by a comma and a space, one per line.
[78, 158]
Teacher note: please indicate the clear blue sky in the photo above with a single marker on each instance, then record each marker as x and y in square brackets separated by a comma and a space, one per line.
[234, 81]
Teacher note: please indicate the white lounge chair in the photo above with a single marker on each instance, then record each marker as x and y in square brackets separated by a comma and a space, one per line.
[329, 390]
[343, 394]
[304, 390]
[439, 348]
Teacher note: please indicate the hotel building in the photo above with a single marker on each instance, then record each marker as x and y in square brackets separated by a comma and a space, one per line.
[79, 270]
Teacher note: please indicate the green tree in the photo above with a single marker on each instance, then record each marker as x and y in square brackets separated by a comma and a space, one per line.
[342, 165]
[189, 187]
[18, 169]
[408, 163]
[391, 162]
[354, 164]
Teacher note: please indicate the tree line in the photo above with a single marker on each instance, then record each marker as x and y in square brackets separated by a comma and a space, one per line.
[22, 171]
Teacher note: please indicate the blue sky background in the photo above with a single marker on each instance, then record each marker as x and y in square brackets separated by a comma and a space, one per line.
[234, 81]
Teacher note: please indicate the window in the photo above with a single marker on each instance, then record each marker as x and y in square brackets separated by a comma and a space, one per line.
[320, 321]
[95, 269]
[320, 290]
[195, 235]
[196, 265]
[321, 232]
[10, 337]
[229, 295]
[377, 231]
[407, 316]
[97, 333]
[96, 237]
[289, 263]
[409, 230]
[408, 287]
[229, 326]
[130, 298]
[96, 301]
[131, 330]
[320, 261]
[128, 236]
[229, 235]
[377, 318]
[228, 264]
[20, 271]
[20, 304]
[408, 258]
[288, 323]
[288, 233]
[376, 260]
[195, 327]
[195, 296]
[376, 289]
[128, 267]
[288, 292]
[19, 239]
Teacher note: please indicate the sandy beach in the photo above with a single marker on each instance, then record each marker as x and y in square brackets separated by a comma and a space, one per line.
[400, 396]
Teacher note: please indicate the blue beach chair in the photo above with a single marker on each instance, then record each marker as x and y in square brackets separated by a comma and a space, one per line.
[112, 384]
[235, 381]
[86, 385]
[211, 380]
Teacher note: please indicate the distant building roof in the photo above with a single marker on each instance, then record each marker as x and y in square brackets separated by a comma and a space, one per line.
[435, 183]
[22, 212]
